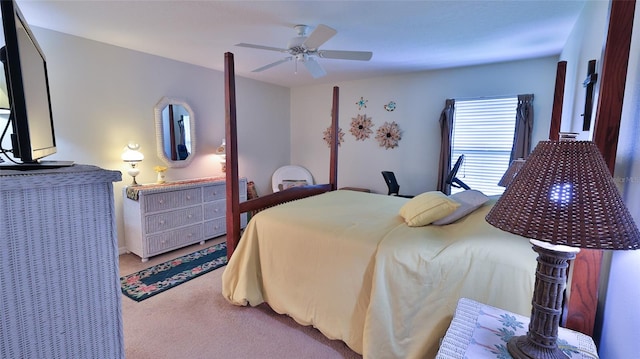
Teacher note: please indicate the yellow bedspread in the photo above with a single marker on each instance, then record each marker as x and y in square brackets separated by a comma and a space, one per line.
[346, 263]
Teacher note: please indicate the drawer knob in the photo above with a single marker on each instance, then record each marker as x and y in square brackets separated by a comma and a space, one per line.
[188, 197]
[190, 216]
[161, 201]
[190, 235]
[162, 221]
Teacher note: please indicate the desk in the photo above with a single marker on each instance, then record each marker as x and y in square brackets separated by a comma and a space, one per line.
[482, 331]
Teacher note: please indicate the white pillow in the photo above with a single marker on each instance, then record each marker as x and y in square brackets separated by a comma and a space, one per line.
[469, 200]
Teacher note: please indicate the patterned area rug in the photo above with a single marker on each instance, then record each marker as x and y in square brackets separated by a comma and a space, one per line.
[151, 281]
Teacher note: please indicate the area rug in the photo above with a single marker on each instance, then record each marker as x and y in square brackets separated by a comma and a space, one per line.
[154, 280]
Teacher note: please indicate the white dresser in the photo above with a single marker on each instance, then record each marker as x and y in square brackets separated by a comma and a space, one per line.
[162, 217]
[59, 277]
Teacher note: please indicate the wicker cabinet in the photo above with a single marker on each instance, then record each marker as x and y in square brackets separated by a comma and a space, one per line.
[163, 217]
[59, 276]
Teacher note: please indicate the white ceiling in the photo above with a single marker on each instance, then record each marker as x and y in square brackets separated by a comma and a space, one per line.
[404, 36]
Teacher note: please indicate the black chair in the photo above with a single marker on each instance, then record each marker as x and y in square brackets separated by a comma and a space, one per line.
[392, 184]
[452, 179]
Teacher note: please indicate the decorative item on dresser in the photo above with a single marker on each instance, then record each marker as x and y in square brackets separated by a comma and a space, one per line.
[59, 276]
[162, 217]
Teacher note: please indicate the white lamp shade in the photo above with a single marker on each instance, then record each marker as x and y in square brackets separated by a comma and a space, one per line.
[131, 153]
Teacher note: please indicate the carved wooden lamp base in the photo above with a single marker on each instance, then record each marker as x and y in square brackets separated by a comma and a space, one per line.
[551, 279]
[522, 348]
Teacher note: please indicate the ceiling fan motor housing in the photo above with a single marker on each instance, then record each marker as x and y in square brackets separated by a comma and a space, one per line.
[295, 46]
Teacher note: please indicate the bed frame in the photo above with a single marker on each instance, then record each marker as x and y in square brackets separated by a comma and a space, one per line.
[581, 305]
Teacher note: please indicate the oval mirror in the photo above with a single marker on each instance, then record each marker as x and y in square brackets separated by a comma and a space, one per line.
[175, 132]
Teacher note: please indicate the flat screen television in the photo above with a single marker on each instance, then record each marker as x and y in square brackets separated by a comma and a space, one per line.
[27, 84]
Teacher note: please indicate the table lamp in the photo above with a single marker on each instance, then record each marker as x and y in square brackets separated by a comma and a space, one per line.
[563, 199]
[221, 151]
[132, 156]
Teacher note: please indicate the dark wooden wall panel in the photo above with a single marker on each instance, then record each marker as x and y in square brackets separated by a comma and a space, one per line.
[583, 301]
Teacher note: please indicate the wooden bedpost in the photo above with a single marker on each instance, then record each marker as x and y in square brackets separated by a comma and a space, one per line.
[231, 135]
[558, 98]
[234, 208]
[333, 160]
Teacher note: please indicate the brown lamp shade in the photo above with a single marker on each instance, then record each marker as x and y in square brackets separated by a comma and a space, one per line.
[564, 194]
[511, 172]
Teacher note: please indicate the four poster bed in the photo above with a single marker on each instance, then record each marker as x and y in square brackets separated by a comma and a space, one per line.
[348, 264]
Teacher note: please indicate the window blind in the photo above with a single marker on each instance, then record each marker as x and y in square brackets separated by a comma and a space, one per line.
[483, 131]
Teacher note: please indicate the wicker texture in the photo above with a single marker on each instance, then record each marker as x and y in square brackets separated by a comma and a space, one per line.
[564, 194]
[164, 217]
[59, 276]
[511, 172]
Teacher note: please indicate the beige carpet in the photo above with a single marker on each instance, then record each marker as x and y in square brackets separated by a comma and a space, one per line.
[194, 321]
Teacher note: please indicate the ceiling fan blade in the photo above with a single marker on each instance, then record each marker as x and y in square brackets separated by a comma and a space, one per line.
[272, 64]
[242, 44]
[345, 55]
[314, 68]
[319, 36]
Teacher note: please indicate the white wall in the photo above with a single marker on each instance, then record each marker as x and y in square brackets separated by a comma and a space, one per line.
[621, 317]
[585, 43]
[104, 96]
[420, 98]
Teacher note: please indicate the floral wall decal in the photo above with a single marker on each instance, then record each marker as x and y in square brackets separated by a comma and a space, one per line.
[361, 127]
[327, 136]
[390, 106]
[362, 103]
[388, 135]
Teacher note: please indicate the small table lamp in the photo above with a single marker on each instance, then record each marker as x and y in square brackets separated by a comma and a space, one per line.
[221, 151]
[563, 198]
[132, 156]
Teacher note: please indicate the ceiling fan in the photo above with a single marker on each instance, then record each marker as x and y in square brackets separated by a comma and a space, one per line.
[306, 49]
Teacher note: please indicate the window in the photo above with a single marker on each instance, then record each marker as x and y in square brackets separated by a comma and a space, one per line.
[483, 131]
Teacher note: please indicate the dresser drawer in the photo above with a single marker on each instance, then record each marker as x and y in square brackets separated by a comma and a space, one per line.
[167, 220]
[215, 192]
[215, 228]
[177, 238]
[215, 209]
[173, 199]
